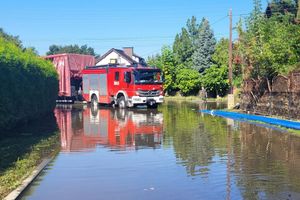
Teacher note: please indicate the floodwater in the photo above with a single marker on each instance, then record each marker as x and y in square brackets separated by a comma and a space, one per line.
[174, 152]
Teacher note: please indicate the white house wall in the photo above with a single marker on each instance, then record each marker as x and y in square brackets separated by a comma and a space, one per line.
[113, 55]
[136, 59]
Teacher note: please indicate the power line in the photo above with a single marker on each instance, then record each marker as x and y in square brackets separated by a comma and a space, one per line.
[135, 38]
[240, 15]
[219, 20]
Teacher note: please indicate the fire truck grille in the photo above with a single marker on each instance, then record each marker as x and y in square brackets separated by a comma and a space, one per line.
[148, 93]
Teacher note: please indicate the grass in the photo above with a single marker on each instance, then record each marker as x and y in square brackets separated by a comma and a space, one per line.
[21, 152]
[13, 176]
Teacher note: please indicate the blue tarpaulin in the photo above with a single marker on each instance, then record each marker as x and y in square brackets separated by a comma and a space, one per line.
[269, 120]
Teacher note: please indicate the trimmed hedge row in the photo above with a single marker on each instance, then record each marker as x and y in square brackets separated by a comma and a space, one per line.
[28, 85]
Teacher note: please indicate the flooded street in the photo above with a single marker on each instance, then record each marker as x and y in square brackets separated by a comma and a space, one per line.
[173, 152]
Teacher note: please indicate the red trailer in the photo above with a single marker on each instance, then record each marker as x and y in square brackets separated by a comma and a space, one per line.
[69, 67]
[123, 86]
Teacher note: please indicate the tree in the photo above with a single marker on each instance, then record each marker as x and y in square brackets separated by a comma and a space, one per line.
[193, 29]
[265, 46]
[84, 49]
[184, 44]
[155, 61]
[204, 47]
[215, 80]
[169, 69]
[220, 56]
[32, 50]
[188, 81]
[10, 38]
[15, 40]
[281, 7]
[183, 48]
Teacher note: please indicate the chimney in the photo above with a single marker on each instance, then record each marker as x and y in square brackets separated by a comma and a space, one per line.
[128, 51]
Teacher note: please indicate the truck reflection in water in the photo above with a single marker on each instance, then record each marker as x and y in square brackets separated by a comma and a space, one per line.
[119, 129]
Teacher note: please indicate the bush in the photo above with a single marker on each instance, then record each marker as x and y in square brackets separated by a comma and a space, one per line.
[215, 80]
[188, 81]
[28, 85]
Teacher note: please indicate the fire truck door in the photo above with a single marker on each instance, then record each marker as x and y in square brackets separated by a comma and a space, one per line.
[103, 88]
[127, 78]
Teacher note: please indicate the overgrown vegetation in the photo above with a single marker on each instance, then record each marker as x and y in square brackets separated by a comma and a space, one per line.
[29, 84]
[268, 45]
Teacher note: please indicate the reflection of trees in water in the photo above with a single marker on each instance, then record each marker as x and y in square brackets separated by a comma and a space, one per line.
[200, 153]
[267, 162]
[195, 137]
[263, 163]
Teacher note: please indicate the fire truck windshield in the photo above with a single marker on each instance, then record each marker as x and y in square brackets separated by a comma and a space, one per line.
[147, 76]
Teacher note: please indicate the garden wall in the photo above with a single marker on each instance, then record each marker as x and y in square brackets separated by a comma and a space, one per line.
[280, 97]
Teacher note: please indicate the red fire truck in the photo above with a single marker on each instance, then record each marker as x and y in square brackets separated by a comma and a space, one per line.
[123, 86]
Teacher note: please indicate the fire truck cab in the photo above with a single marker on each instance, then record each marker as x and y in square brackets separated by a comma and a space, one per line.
[123, 86]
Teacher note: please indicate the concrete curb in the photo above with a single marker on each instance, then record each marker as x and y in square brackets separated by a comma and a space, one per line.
[15, 193]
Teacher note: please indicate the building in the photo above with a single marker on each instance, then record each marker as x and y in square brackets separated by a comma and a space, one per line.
[124, 57]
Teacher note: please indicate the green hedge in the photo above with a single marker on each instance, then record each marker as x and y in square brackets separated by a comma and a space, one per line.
[28, 85]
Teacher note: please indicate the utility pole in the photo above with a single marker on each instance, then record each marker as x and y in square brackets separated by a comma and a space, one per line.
[298, 13]
[230, 53]
[230, 95]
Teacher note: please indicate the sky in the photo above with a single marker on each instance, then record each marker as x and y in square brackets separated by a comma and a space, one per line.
[146, 25]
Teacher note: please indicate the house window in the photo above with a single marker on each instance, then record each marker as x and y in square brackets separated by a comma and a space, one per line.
[117, 76]
[113, 61]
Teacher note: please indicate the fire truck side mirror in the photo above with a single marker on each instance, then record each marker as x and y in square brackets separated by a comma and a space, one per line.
[127, 77]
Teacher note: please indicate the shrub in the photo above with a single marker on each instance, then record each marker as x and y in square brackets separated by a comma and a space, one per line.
[215, 80]
[188, 81]
[28, 85]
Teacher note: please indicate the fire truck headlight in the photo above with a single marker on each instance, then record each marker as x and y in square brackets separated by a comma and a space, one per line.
[137, 93]
[161, 92]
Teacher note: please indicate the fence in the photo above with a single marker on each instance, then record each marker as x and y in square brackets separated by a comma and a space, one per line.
[280, 97]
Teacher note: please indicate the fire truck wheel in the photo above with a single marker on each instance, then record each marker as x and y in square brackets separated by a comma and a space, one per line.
[94, 111]
[122, 102]
[94, 101]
